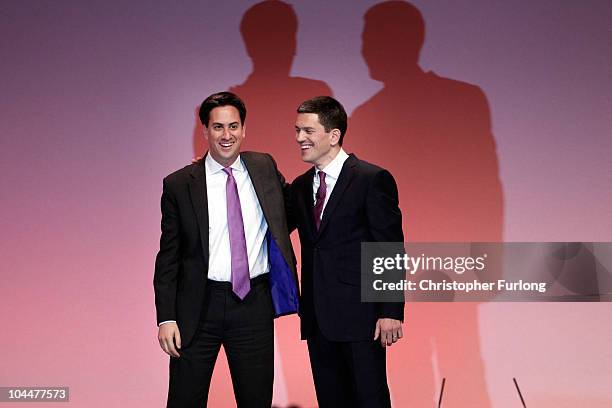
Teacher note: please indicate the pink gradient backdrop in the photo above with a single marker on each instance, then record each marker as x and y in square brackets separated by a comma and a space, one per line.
[97, 102]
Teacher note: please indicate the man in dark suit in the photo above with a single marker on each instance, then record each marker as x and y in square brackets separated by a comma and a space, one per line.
[225, 266]
[338, 204]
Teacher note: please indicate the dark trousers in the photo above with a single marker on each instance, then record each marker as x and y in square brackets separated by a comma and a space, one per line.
[246, 331]
[348, 374]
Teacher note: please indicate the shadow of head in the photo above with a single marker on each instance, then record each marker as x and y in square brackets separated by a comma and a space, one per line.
[269, 32]
[393, 35]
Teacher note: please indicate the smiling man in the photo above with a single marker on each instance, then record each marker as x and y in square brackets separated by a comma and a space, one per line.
[225, 266]
[336, 205]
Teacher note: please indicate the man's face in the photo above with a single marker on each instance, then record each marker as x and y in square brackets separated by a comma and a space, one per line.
[318, 147]
[224, 133]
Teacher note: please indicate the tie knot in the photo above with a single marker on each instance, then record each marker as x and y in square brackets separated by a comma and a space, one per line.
[322, 177]
[228, 170]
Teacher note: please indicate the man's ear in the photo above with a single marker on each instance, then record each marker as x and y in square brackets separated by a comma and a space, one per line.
[205, 132]
[335, 137]
[244, 131]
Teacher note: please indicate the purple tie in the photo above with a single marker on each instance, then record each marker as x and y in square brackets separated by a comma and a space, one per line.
[241, 283]
[320, 196]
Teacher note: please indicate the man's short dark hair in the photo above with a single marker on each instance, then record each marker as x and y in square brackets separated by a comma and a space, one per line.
[221, 99]
[331, 113]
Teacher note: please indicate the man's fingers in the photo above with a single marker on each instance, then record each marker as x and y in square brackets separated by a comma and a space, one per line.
[384, 338]
[170, 339]
[169, 334]
[177, 339]
[390, 336]
[167, 344]
[395, 334]
[389, 330]
[170, 348]
[162, 344]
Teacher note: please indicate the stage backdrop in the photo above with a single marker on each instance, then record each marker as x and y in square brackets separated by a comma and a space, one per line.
[494, 116]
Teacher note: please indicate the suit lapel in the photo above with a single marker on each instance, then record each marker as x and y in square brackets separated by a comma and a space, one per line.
[258, 179]
[199, 200]
[346, 175]
[306, 201]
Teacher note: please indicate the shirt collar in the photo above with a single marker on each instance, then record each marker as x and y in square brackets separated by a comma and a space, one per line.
[334, 167]
[212, 166]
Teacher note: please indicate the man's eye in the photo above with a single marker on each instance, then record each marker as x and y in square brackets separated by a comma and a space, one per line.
[234, 127]
[217, 127]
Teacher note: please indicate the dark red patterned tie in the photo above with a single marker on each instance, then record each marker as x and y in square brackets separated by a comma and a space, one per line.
[320, 196]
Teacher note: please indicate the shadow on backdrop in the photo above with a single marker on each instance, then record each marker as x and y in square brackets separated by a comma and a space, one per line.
[272, 95]
[434, 135]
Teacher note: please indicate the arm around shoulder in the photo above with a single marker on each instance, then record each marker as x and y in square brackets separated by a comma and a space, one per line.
[286, 189]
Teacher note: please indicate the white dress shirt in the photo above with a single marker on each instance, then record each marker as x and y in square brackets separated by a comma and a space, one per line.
[332, 172]
[255, 225]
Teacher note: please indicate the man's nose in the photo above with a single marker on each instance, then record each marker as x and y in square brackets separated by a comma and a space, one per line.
[299, 136]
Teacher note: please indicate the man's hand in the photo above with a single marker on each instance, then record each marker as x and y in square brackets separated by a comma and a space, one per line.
[196, 159]
[389, 331]
[167, 336]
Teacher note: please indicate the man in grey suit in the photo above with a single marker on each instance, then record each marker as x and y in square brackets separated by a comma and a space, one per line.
[225, 267]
